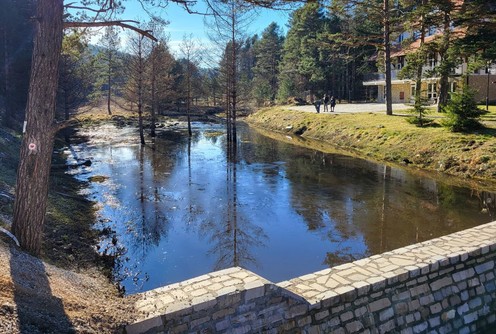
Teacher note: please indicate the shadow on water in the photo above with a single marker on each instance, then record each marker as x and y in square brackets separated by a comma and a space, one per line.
[38, 310]
[186, 206]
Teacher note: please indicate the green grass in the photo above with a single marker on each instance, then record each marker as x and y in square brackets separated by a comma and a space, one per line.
[392, 139]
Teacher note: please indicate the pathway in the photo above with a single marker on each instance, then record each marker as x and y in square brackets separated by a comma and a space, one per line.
[355, 107]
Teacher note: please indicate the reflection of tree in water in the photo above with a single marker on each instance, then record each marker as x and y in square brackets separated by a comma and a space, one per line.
[146, 224]
[234, 238]
[387, 208]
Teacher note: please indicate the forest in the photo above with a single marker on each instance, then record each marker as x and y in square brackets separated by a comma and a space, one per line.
[329, 47]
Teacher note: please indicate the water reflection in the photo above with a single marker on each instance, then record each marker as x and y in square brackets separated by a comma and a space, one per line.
[183, 207]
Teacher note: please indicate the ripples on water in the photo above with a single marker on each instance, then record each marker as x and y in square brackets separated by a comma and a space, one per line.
[173, 210]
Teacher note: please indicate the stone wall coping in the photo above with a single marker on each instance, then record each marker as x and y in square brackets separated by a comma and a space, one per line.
[198, 292]
[374, 273]
[326, 288]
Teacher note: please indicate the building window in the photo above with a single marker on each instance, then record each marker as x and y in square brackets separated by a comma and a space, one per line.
[432, 91]
[412, 90]
[432, 60]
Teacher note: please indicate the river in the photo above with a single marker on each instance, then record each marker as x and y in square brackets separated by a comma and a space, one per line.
[175, 209]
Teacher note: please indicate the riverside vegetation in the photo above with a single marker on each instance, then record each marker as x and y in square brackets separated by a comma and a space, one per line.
[469, 157]
[77, 274]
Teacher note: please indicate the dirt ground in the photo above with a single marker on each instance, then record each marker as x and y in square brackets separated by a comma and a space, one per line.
[39, 298]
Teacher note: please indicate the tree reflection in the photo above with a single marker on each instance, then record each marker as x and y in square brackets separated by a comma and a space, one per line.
[235, 236]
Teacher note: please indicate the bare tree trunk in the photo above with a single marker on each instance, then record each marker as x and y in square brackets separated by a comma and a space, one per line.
[387, 56]
[154, 96]
[109, 82]
[234, 74]
[37, 142]
[188, 102]
[140, 91]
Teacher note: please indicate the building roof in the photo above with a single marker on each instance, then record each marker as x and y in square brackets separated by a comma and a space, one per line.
[414, 46]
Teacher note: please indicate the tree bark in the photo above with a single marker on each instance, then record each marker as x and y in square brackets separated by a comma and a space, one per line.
[445, 70]
[37, 143]
[387, 56]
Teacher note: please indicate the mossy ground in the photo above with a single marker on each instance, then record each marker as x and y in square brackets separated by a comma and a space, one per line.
[468, 156]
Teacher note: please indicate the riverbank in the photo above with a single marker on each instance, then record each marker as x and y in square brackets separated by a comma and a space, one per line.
[391, 139]
[68, 289]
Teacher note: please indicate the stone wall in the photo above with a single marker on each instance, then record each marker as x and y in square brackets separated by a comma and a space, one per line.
[443, 285]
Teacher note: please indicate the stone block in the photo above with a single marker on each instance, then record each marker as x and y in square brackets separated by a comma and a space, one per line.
[463, 275]
[144, 325]
[441, 283]
[401, 308]
[379, 304]
[436, 308]
[203, 302]
[469, 318]
[304, 321]
[198, 322]
[435, 322]
[229, 299]
[419, 290]
[254, 290]
[463, 309]
[387, 327]
[223, 313]
[360, 311]
[386, 314]
[426, 300]
[474, 303]
[222, 325]
[321, 315]
[346, 316]
[297, 310]
[421, 328]
[354, 327]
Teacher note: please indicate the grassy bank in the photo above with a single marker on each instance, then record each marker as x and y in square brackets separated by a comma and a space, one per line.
[469, 157]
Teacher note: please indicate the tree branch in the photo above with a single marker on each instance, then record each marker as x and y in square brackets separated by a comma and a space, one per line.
[121, 24]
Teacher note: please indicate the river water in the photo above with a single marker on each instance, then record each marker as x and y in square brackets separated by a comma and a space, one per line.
[175, 209]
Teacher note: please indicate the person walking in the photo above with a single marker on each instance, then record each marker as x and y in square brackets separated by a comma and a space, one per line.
[326, 103]
[333, 103]
[317, 105]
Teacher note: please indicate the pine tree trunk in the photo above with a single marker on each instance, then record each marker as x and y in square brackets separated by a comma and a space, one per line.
[445, 70]
[387, 55]
[37, 143]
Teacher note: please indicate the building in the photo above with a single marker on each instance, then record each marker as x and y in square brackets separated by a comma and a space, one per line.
[482, 81]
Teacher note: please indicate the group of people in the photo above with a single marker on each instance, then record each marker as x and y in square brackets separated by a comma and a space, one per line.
[327, 101]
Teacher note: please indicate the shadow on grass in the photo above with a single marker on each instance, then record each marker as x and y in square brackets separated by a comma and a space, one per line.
[38, 310]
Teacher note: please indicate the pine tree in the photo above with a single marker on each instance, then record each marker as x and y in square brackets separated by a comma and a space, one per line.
[268, 51]
[110, 63]
[75, 74]
[300, 68]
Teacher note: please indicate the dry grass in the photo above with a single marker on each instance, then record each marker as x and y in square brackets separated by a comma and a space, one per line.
[392, 139]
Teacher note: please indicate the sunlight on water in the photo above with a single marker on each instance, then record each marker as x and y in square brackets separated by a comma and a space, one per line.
[171, 210]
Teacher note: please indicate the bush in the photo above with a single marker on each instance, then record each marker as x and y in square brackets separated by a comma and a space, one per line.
[462, 112]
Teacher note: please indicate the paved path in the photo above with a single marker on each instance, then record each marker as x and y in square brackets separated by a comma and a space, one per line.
[355, 107]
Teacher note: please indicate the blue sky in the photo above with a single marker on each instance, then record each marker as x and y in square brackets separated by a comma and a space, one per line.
[182, 23]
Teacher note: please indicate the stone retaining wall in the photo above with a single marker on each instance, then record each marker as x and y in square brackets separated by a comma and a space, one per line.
[443, 285]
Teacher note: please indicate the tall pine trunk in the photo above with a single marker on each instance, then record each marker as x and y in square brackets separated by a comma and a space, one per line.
[387, 60]
[445, 69]
[37, 142]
